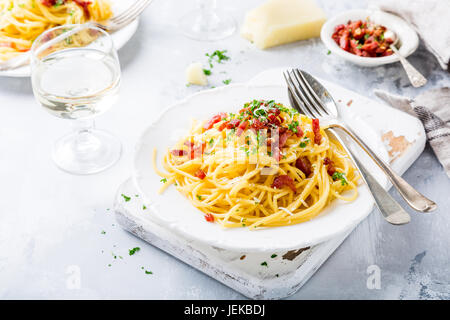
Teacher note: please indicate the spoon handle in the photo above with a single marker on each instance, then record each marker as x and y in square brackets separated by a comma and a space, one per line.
[389, 208]
[414, 198]
[416, 78]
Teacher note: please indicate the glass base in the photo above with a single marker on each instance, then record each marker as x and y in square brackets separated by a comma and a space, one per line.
[86, 152]
[210, 26]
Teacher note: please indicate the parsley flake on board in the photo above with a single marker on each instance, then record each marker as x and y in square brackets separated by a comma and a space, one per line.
[217, 56]
[133, 251]
[126, 198]
[227, 81]
[274, 256]
[207, 72]
[264, 264]
[163, 180]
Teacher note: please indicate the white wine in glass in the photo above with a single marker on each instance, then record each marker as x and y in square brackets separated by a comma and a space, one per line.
[76, 76]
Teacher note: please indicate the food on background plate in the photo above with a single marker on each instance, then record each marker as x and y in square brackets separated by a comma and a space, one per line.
[264, 166]
[278, 22]
[22, 21]
[363, 38]
[196, 75]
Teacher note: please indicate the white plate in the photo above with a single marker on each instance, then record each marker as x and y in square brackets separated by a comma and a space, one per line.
[173, 211]
[119, 38]
[407, 36]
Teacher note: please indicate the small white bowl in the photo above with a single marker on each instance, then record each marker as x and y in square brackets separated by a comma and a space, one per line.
[408, 39]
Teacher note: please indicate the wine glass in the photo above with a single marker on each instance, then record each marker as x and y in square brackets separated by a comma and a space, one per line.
[207, 22]
[75, 74]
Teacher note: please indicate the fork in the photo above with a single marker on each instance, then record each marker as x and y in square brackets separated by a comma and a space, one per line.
[114, 24]
[125, 18]
[389, 208]
[314, 107]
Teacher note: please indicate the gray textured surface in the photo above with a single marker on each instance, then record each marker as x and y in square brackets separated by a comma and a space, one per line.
[50, 220]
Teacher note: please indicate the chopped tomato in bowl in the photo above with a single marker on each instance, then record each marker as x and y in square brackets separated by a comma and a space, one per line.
[349, 35]
[363, 38]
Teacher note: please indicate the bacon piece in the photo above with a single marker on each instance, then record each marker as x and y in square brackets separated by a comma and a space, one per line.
[200, 174]
[304, 165]
[84, 4]
[209, 217]
[197, 150]
[284, 180]
[257, 124]
[283, 138]
[241, 127]
[208, 125]
[48, 3]
[273, 119]
[299, 132]
[330, 166]
[178, 152]
[223, 126]
[316, 130]
[233, 124]
[275, 111]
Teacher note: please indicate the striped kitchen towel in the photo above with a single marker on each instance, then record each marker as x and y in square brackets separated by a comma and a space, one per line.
[433, 108]
[430, 19]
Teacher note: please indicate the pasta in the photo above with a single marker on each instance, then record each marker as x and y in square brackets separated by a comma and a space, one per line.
[22, 21]
[266, 166]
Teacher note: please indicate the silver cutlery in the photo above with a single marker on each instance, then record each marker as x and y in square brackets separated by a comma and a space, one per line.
[414, 76]
[389, 208]
[316, 101]
[114, 24]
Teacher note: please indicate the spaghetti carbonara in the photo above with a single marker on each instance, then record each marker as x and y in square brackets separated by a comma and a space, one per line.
[22, 21]
[265, 166]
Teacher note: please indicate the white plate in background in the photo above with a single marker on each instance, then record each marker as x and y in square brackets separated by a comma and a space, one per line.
[407, 36]
[119, 38]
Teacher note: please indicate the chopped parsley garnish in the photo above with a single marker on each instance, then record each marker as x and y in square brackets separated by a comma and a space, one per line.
[133, 251]
[329, 52]
[103, 232]
[148, 272]
[217, 56]
[293, 126]
[144, 207]
[264, 264]
[227, 81]
[199, 197]
[274, 256]
[126, 198]
[302, 144]
[207, 72]
[339, 176]
[163, 180]
[211, 142]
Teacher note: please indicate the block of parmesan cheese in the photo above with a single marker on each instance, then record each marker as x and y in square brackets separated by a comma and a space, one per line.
[195, 74]
[278, 22]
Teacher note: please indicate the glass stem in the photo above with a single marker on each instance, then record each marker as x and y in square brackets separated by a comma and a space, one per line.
[207, 5]
[86, 141]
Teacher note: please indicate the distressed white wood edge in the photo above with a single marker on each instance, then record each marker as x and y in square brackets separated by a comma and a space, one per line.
[247, 276]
